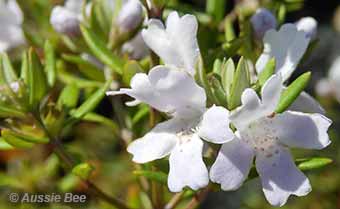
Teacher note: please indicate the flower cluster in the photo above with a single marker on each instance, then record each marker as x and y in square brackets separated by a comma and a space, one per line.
[254, 129]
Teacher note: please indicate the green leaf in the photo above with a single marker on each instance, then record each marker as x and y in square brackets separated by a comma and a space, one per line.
[8, 180]
[37, 83]
[24, 68]
[267, 71]
[93, 117]
[241, 81]
[26, 137]
[83, 170]
[282, 12]
[292, 92]
[68, 183]
[217, 66]
[216, 8]
[314, 163]
[130, 69]
[91, 102]
[218, 90]
[153, 175]
[99, 49]
[4, 145]
[50, 63]
[69, 96]
[8, 70]
[201, 77]
[227, 75]
[10, 112]
[14, 140]
[86, 68]
[140, 114]
[232, 47]
[69, 78]
[229, 30]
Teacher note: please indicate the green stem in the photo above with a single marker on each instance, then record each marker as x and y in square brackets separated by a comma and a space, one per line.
[198, 198]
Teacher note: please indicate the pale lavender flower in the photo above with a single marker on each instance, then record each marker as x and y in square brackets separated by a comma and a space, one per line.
[262, 21]
[265, 135]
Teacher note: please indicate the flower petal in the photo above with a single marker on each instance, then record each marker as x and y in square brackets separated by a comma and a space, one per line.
[232, 164]
[177, 44]
[306, 103]
[281, 178]
[302, 130]
[74, 5]
[287, 46]
[271, 93]
[168, 90]
[10, 36]
[214, 126]
[158, 143]
[187, 167]
[249, 111]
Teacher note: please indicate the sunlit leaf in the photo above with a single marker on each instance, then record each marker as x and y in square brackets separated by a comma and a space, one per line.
[101, 51]
[83, 170]
[91, 102]
[50, 63]
[292, 92]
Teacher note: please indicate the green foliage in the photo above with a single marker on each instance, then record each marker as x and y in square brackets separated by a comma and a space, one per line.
[292, 92]
[36, 80]
[91, 102]
[101, 51]
[241, 81]
[267, 71]
[83, 170]
[314, 163]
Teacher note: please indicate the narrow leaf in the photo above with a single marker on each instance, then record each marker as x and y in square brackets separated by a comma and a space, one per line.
[267, 71]
[50, 63]
[292, 92]
[8, 70]
[153, 175]
[91, 102]
[4, 145]
[99, 49]
[83, 170]
[227, 75]
[36, 79]
[69, 96]
[15, 141]
[86, 68]
[241, 81]
[314, 163]
[130, 69]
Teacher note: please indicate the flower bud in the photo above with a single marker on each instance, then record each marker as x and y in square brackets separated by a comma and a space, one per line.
[308, 25]
[262, 21]
[65, 21]
[11, 18]
[136, 48]
[130, 16]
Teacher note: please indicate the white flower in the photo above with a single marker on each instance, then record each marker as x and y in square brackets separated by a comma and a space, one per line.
[262, 21]
[136, 47]
[331, 84]
[11, 18]
[176, 93]
[177, 43]
[308, 25]
[287, 46]
[267, 136]
[130, 16]
[66, 19]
